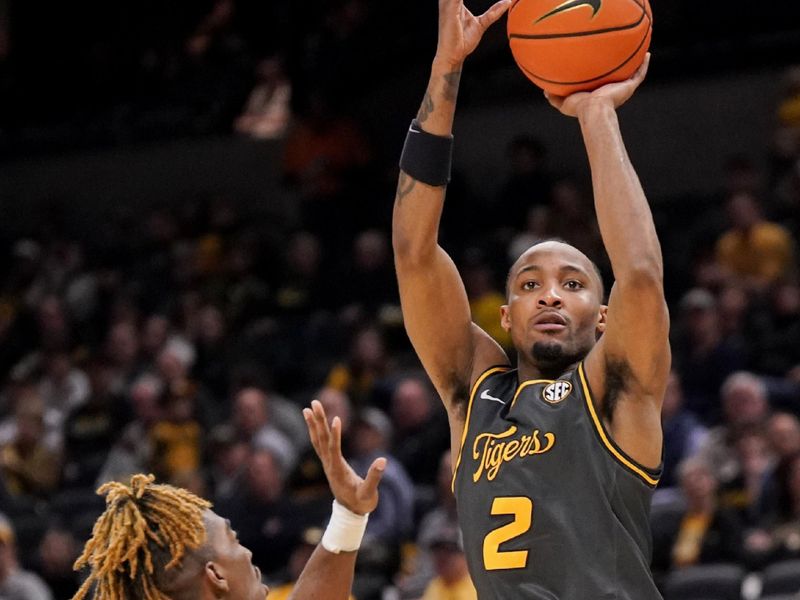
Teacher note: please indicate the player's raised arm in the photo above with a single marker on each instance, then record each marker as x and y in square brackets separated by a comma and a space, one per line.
[435, 307]
[631, 362]
[329, 572]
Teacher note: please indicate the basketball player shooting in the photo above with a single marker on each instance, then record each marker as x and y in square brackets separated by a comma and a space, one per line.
[556, 459]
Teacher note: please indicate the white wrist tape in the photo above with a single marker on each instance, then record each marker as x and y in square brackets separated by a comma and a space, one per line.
[344, 531]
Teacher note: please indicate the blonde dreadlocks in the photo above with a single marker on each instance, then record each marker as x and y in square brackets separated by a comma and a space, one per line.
[140, 521]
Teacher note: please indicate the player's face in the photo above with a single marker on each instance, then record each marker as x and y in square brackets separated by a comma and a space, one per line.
[236, 561]
[554, 311]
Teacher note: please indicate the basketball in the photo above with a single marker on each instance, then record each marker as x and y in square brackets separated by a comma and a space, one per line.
[566, 46]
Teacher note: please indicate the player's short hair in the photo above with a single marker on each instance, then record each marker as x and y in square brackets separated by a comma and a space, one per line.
[566, 243]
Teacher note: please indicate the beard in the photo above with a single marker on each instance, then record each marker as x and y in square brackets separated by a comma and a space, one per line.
[553, 358]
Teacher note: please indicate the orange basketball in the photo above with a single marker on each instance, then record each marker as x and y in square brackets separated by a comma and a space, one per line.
[565, 46]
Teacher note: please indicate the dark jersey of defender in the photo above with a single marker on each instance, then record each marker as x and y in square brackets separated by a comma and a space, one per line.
[549, 506]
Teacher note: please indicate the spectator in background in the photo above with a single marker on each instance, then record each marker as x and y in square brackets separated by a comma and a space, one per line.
[177, 437]
[783, 433]
[419, 570]
[528, 182]
[747, 492]
[261, 512]
[308, 481]
[783, 436]
[155, 333]
[246, 292]
[683, 432]
[214, 362]
[780, 539]
[703, 357]
[91, 430]
[228, 456]
[778, 339]
[421, 430]
[392, 521]
[122, 351]
[267, 112]
[174, 366]
[58, 551]
[55, 328]
[391, 524]
[257, 414]
[754, 249]
[63, 388]
[485, 299]
[734, 308]
[29, 468]
[133, 451]
[322, 146]
[702, 533]
[371, 282]
[300, 290]
[361, 377]
[452, 580]
[745, 406]
[15, 582]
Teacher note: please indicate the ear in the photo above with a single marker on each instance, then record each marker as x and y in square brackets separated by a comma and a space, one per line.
[602, 320]
[215, 578]
[505, 318]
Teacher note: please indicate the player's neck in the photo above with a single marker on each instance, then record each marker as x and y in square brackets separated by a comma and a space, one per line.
[528, 370]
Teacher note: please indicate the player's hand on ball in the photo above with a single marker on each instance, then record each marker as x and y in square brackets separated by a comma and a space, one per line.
[354, 493]
[615, 94]
[460, 31]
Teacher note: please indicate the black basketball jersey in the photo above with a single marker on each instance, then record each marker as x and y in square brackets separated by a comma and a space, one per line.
[550, 508]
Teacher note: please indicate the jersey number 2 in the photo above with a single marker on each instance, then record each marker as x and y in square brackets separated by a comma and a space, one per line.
[495, 559]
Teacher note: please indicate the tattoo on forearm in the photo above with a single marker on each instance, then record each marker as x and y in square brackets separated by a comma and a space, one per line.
[405, 184]
[451, 81]
[426, 109]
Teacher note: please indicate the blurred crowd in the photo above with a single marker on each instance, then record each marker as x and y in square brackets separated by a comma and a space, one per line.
[98, 74]
[185, 341]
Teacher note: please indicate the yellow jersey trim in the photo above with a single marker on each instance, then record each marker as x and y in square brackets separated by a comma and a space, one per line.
[624, 460]
[475, 386]
[525, 384]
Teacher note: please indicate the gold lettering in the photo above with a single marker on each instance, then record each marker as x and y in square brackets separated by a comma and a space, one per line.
[490, 452]
[536, 443]
[495, 461]
[511, 450]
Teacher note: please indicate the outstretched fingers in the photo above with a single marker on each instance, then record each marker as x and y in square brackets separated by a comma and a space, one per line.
[374, 475]
[336, 438]
[318, 429]
[495, 12]
[641, 72]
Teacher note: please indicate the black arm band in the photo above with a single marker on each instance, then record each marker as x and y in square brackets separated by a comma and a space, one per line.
[427, 157]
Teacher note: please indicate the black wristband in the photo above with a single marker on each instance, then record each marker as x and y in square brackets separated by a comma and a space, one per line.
[426, 157]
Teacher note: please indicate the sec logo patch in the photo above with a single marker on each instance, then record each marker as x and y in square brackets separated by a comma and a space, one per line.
[556, 391]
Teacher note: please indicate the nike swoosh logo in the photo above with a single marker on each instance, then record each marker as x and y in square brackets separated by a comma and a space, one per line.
[569, 5]
[485, 396]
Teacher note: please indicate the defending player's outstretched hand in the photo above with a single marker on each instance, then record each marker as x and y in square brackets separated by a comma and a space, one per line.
[615, 94]
[354, 493]
[460, 31]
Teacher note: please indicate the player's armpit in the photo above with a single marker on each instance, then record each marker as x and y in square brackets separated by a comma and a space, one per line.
[627, 369]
